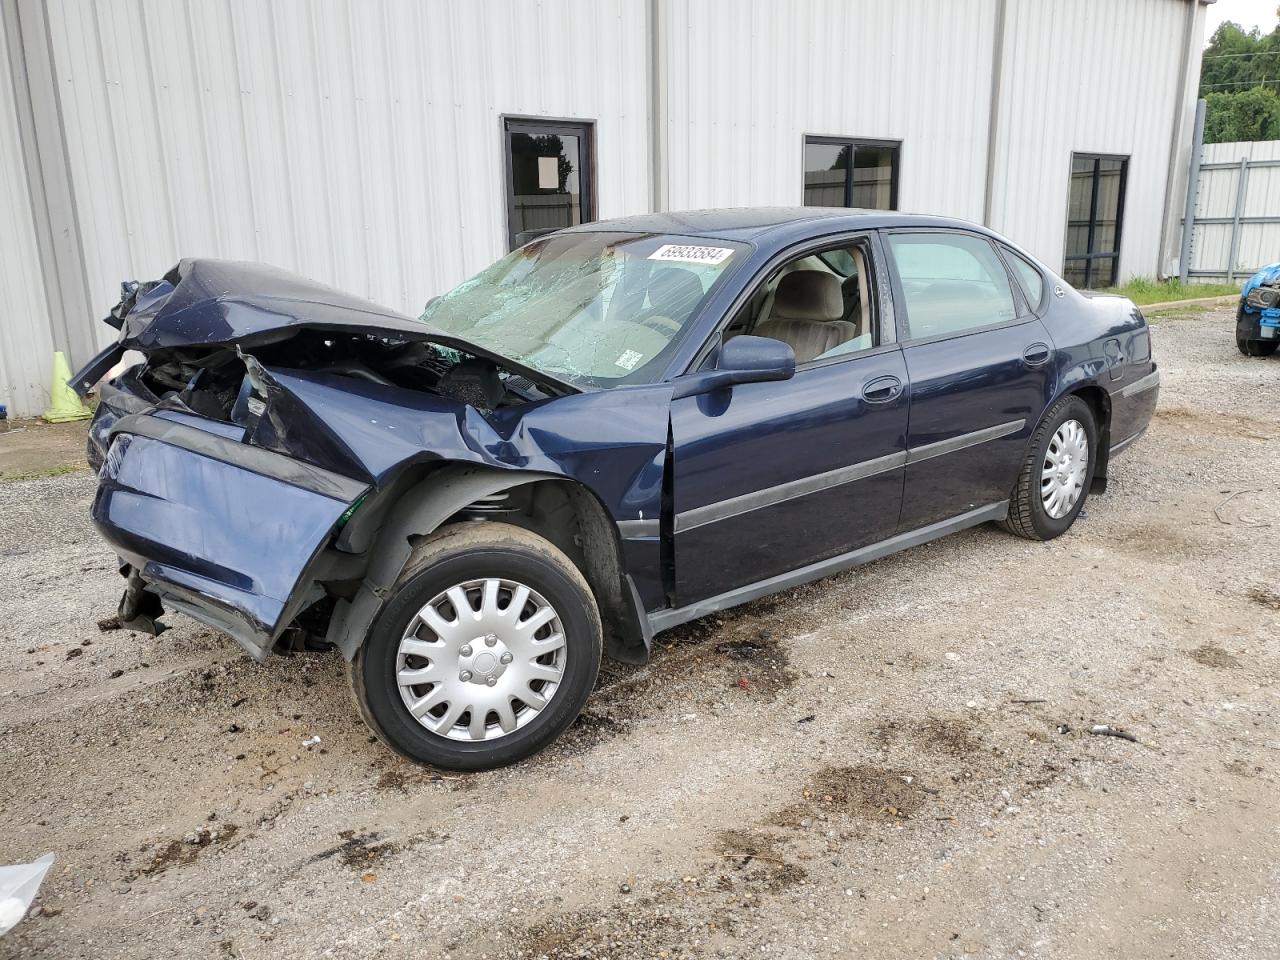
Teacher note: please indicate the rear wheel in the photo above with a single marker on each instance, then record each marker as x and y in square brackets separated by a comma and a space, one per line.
[1055, 477]
[484, 652]
[1257, 348]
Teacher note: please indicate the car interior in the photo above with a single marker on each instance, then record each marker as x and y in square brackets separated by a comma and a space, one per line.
[819, 304]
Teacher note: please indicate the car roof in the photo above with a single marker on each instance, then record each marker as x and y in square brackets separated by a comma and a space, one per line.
[755, 224]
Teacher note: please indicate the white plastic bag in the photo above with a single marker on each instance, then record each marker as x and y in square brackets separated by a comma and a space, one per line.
[18, 886]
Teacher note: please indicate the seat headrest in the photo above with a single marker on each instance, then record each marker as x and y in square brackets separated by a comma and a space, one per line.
[674, 292]
[808, 295]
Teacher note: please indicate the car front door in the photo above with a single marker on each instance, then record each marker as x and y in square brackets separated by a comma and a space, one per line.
[771, 477]
[979, 362]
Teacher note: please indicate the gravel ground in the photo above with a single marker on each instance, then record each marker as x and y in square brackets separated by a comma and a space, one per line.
[894, 762]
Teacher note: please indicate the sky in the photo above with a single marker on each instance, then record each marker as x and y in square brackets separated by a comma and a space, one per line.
[1247, 13]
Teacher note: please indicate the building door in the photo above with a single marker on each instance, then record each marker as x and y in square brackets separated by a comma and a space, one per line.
[1094, 213]
[549, 178]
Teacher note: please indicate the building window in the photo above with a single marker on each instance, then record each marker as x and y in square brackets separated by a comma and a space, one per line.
[549, 174]
[840, 172]
[1094, 214]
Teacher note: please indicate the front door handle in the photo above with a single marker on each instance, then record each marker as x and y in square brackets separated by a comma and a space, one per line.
[1036, 355]
[881, 389]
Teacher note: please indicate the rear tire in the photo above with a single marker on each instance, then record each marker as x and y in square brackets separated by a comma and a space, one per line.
[1257, 348]
[484, 687]
[1056, 474]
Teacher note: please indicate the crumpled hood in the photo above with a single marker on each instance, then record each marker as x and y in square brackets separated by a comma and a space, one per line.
[1267, 276]
[203, 302]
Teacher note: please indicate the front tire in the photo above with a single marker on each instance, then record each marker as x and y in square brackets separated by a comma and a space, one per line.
[1057, 473]
[484, 651]
[1257, 348]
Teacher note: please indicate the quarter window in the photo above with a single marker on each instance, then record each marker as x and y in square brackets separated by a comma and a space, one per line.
[951, 283]
[1029, 278]
[840, 172]
[1094, 214]
[549, 177]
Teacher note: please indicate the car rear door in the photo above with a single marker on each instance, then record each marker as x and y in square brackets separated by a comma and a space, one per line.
[981, 372]
[771, 477]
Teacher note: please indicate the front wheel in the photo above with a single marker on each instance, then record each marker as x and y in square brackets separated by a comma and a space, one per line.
[1056, 475]
[1257, 348]
[484, 652]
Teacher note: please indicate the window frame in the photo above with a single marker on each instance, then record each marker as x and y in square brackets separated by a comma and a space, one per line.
[878, 280]
[853, 143]
[1022, 312]
[584, 129]
[1090, 255]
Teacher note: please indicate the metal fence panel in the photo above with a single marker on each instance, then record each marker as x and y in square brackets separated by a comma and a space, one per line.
[1237, 218]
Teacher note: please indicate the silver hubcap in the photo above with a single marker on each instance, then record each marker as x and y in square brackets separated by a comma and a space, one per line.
[1065, 466]
[481, 660]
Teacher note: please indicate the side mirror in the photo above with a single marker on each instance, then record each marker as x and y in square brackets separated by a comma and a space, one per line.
[743, 359]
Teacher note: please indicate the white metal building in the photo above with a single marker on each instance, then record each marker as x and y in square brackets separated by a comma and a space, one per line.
[393, 147]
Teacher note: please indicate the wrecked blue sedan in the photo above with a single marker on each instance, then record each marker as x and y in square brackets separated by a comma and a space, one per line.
[1258, 316]
[615, 429]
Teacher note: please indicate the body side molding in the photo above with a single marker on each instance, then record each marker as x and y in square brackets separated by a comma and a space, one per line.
[791, 490]
[666, 619]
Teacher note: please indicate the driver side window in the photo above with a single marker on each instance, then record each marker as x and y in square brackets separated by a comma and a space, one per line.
[822, 304]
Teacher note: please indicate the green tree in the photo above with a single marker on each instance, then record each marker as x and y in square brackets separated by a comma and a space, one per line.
[1240, 80]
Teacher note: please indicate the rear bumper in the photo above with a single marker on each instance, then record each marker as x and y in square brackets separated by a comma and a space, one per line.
[1132, 407]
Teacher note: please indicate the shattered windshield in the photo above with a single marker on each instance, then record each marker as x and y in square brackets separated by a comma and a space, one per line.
[595, 309]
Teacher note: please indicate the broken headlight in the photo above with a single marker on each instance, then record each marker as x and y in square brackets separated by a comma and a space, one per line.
[1264, 297]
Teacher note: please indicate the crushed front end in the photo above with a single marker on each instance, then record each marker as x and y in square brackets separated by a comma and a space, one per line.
[263, 410]
[1258, 316]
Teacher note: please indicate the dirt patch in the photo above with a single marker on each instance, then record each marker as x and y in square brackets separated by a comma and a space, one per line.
[866, 792]
[759, 858]
[187, 850]
[392, 780]
[1210, 656]
[650, 932]
[947, 735]
[1206, 421]
[1264, 596]
[358, 850]
[33, 448]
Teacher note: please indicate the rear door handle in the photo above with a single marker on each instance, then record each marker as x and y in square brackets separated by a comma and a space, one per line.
[1037, 354]
[881, 389]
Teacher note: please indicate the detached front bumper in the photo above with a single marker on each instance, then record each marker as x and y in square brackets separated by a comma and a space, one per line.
[226, 532]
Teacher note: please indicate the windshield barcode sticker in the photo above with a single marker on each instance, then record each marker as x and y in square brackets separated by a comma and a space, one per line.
[688, 253]
[629, 359]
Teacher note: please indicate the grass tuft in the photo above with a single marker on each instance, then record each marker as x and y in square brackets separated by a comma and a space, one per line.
[1143, 290]
[59, 471]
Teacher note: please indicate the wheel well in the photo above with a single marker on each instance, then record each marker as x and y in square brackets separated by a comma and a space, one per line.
[570, 516]
[1100, 404]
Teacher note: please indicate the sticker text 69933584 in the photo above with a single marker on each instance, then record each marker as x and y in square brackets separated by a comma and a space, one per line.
[691, 253]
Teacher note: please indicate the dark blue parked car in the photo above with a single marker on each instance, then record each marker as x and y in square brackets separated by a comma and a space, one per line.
[614, 430]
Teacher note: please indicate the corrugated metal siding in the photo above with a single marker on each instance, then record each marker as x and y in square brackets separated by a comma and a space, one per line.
[1088, 76]
[358, 143]
[26, 343]
[1259, 242]
[747, 81]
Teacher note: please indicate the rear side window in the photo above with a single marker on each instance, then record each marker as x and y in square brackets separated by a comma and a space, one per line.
[1029, 277]
[952, 283]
